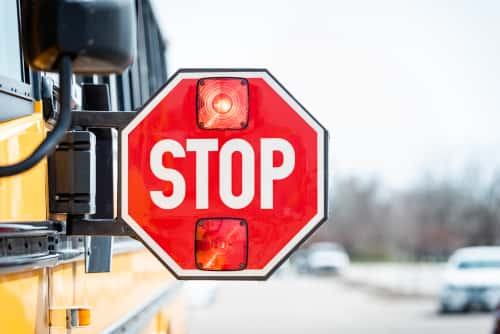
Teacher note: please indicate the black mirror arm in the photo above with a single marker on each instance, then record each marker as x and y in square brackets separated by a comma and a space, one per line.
[48, 145]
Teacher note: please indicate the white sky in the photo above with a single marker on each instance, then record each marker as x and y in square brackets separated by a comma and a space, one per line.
[404, 87]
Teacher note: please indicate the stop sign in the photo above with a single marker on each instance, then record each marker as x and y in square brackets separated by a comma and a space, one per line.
[223, 174]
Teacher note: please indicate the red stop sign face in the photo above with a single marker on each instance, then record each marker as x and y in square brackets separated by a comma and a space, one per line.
[223, 174]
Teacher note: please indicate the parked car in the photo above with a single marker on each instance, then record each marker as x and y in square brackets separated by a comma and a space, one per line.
[298, 261]
[496, 328]
[471, 280]
[326, 257]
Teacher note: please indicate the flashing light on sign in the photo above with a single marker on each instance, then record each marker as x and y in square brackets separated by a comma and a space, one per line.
[221, 244]
[222, 103]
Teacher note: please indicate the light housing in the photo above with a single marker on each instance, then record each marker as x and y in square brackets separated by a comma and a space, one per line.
[221, 244]
[222, 103]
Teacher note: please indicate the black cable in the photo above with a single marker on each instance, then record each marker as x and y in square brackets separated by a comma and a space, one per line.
[63, 123]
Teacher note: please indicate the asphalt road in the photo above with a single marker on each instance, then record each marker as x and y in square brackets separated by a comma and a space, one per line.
[323, 305]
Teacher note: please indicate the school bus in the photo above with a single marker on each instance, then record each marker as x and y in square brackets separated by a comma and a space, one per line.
[52, 281]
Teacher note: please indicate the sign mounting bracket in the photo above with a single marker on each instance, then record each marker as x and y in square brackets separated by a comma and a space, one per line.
[80, 225]
[102, 119]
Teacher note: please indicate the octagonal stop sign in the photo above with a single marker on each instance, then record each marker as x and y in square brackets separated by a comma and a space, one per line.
[223, 174]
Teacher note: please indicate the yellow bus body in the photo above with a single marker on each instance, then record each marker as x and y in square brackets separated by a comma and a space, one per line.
[30, 298]
[26, 298]
[23, 197]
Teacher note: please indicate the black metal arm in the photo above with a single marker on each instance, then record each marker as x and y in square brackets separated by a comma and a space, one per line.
[77, 225]
[102, 119]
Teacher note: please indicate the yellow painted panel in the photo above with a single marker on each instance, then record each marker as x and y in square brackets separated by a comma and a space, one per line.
[62, 285]
[170, 320]
[25, 297]
[136, 278]
[23, 302]
[23, 197]
[61, 291]
[152, 328]
[174, 317]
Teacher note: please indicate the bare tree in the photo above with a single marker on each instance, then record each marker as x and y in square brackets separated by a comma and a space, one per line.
[429, 220]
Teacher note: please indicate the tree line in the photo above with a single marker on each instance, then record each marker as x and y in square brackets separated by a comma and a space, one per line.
[426, 221]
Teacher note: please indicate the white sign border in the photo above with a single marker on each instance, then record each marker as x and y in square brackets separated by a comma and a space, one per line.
[322, 174]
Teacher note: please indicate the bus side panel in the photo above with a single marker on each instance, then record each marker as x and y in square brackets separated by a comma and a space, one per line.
[23, 302]
[23, 197]
[170, 320]
[113, 297]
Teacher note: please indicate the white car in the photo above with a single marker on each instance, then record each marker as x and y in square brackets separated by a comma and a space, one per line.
[326, 257]
[471, 280]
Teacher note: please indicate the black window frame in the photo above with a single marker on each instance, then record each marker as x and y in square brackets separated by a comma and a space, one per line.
[149, 70]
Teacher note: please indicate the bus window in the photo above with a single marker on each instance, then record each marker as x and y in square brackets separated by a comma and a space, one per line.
[10, 52]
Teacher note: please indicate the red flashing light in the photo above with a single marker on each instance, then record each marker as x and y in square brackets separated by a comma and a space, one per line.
[221, 244]
[222, 103]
